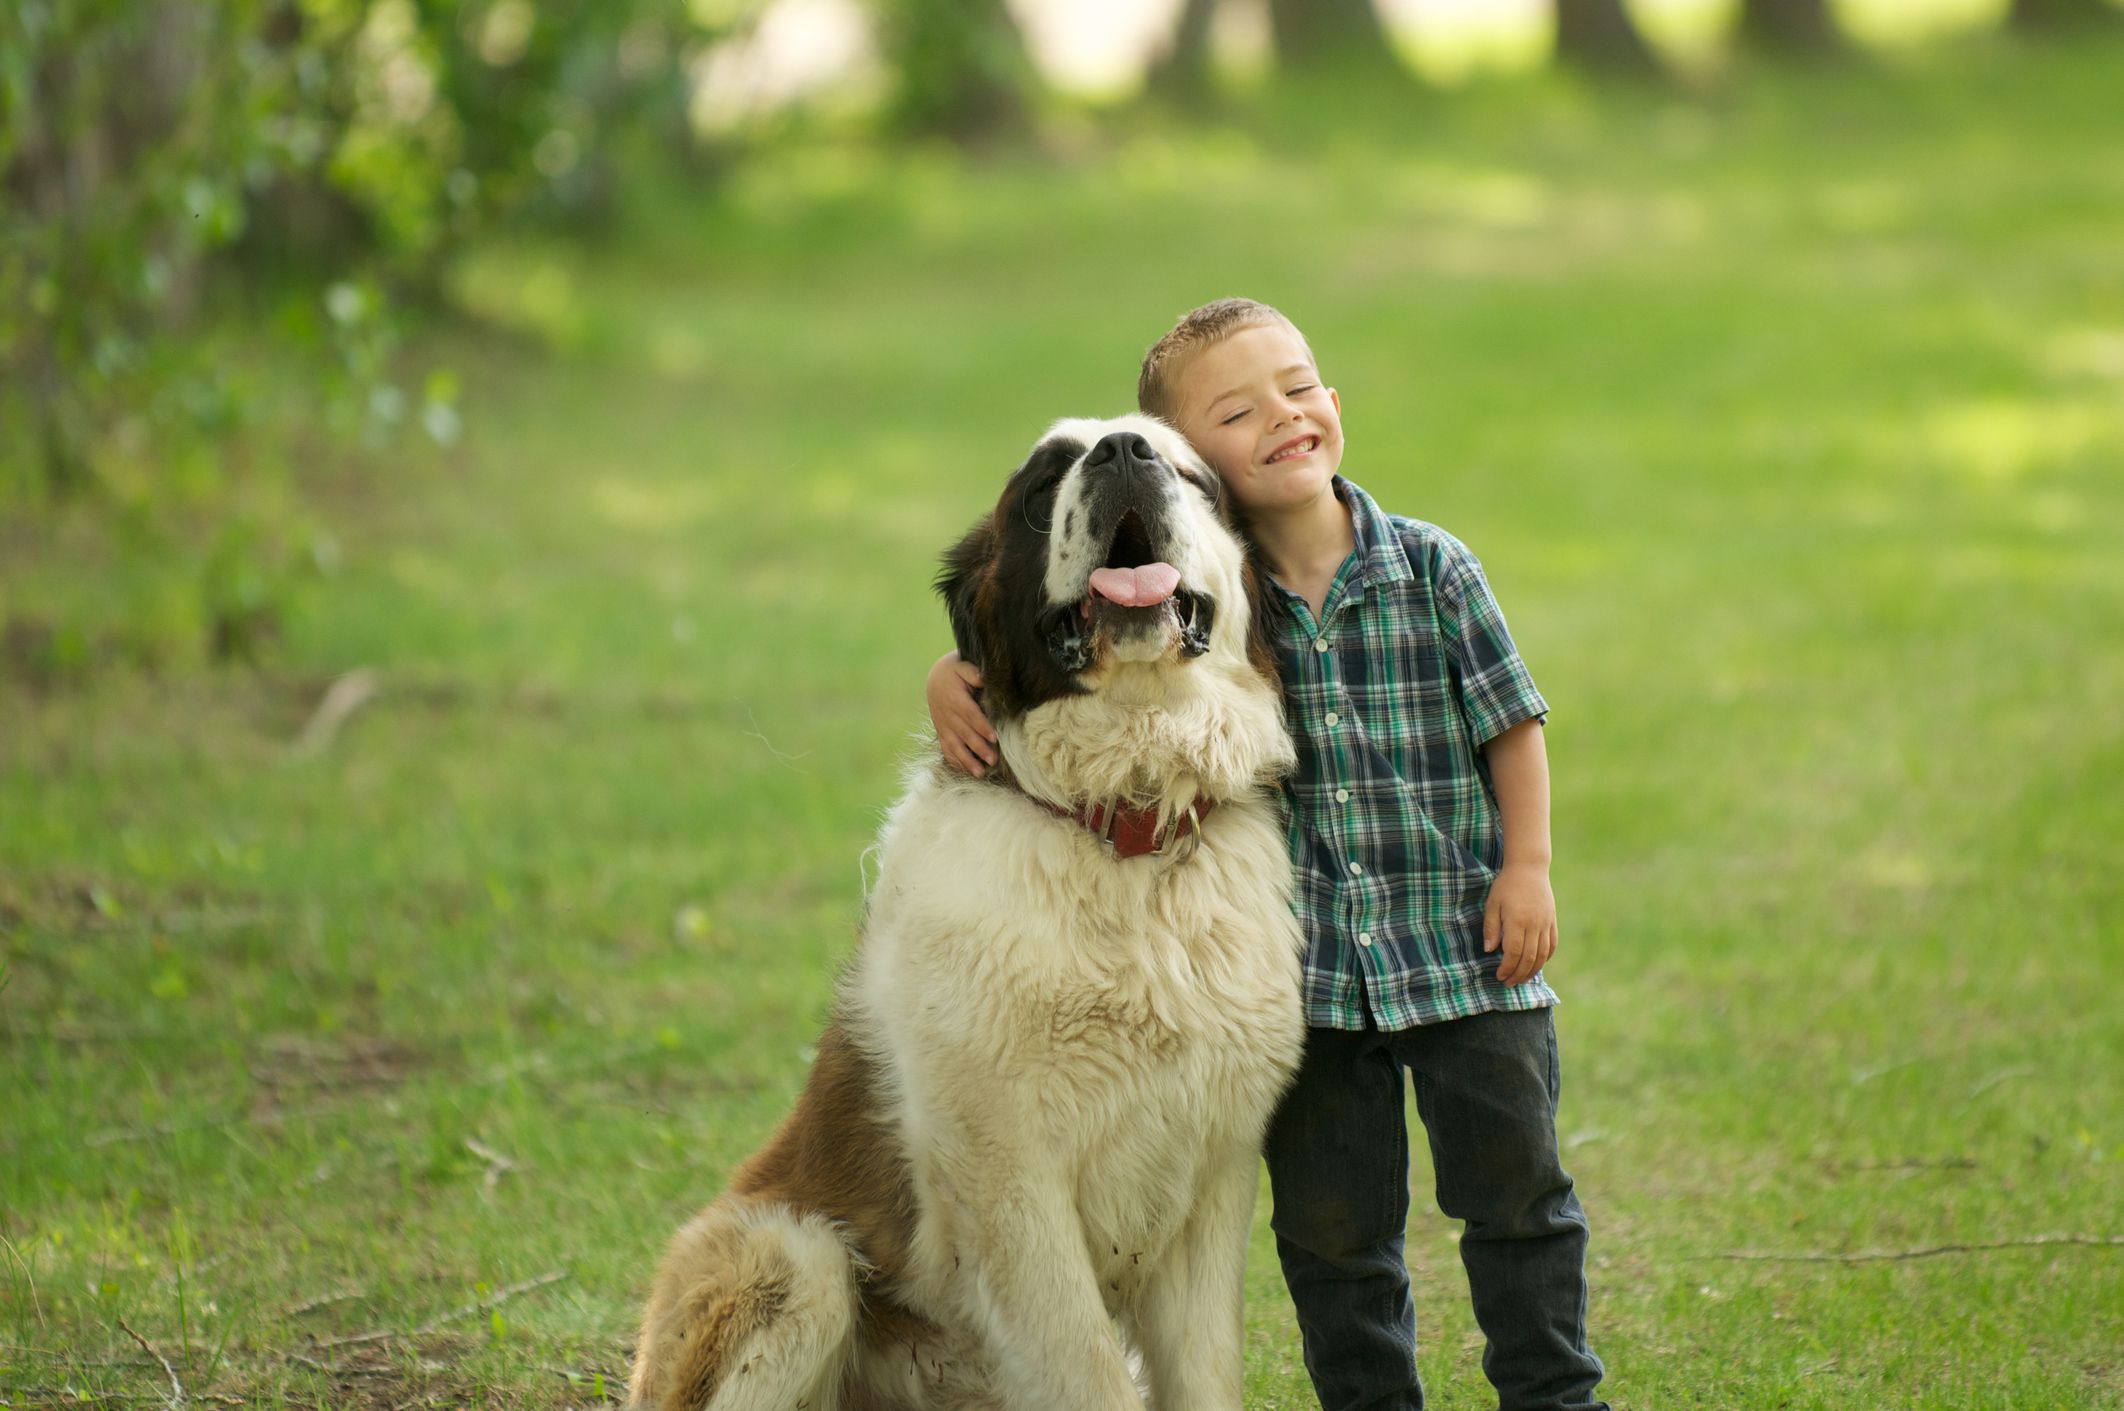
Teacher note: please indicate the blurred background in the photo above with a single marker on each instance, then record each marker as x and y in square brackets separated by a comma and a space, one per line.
[470, 479]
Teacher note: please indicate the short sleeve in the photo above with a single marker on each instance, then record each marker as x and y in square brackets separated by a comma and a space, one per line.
[1496, 690]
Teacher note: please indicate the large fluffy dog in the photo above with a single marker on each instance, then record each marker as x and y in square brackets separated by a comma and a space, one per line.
[1027, 1148]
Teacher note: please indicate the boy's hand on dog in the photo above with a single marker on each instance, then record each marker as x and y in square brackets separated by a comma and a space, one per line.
[968, 740]
[1520, 920]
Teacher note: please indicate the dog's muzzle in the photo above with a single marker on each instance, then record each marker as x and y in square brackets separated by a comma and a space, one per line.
[1134, 600]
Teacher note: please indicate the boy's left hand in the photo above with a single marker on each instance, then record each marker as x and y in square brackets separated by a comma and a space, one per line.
[1520, 919]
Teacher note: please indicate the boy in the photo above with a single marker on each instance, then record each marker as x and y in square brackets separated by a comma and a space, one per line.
[1419, 836]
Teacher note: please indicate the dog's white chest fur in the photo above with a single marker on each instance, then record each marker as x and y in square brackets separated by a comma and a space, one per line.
[1129, 1021]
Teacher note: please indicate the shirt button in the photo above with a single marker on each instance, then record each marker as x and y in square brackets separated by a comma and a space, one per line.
[1333, 718]
[1320, 644]
[1364, 938]
[1342, 796]
[1354, 869]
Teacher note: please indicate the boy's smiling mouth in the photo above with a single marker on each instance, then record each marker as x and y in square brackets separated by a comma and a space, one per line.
[1299, 447]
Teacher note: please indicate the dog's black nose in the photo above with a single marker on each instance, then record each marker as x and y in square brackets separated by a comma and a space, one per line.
[1123, 450]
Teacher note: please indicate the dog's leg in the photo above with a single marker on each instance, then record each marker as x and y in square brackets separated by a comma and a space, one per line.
[1188, 1315]
[752, 1310]
[1035, 1297]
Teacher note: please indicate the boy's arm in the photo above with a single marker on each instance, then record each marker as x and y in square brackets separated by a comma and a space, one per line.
[1521, 915]
[963, 731]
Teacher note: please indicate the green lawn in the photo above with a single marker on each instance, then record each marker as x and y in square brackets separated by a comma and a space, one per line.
[1790, 428]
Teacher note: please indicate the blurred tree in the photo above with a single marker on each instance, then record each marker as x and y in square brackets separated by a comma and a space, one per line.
[121, 161]
[960, 68]
[1600, 35]
[2053, 15]
[139, 136]
[140, 140]
[1183, 68]
[1796, 27]
[1319, 33]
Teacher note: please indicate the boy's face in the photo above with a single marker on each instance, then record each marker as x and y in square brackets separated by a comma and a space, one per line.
[1253, 405]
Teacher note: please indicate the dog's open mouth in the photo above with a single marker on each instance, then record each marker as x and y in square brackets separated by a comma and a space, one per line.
[1132, 596]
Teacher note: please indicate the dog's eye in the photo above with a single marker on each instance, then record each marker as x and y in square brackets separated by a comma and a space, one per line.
[1040, 500]
[1206, 482]
[1038, 506]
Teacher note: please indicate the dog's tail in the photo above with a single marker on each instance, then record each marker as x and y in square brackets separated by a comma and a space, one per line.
[753, 1309]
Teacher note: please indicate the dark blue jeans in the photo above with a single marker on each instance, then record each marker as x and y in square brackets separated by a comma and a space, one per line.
[1338, 1159]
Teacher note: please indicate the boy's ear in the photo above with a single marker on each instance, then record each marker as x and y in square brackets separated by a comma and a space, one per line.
[969, 567]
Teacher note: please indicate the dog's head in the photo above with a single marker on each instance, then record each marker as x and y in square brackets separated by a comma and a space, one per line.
[1108, 569]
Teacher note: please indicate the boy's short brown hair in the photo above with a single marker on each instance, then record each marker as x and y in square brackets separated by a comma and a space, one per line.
[1197, 329]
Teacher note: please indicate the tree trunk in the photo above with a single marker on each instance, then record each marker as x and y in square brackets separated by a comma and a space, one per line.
[2050, 16]
[961, 67]
[1183, 68]
[1600, 35]
[1318, 33]
[1801, 27]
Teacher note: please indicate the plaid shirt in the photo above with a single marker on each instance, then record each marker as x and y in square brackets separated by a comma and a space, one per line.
[1394, 830]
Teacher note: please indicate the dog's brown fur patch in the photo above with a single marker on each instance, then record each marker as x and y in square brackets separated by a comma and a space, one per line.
[725, 1278]
[834, 1156]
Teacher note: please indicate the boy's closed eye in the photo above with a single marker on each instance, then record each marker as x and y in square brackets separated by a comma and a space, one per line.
[1302, 387]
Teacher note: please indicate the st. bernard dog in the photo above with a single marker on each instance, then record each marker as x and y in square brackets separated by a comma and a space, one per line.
[1022, 1169]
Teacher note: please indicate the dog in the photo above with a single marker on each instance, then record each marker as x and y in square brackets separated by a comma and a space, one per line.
[1021, 1172]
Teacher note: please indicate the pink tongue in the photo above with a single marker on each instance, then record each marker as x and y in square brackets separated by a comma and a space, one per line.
[1141, 587]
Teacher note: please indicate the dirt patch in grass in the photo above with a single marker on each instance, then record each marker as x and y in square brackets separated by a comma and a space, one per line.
[292, 1066]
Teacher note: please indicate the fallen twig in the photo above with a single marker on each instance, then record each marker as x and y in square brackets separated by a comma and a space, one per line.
[1992, 1080]
[311, 1305]
[176, 1398]
[341, 1370]
[493, 1300]
[1865, 1256]
[497, 1165]
[345, 696]
[67, 1395]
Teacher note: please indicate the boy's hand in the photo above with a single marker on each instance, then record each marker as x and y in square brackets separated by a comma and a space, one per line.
[1520, 919]
[968, 740]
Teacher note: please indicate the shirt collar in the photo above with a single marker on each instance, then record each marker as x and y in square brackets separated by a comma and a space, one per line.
[1380, 557]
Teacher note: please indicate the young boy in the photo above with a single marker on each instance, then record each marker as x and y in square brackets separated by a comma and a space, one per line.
[1419, 835]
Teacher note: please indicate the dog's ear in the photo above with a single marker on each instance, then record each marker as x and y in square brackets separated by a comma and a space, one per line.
[968, 566]
[1261, 602]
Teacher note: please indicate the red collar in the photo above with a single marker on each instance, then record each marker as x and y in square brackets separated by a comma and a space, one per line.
[1133, 832]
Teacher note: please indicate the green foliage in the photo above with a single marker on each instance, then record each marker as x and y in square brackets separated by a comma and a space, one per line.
[331, 151]
[123, 154]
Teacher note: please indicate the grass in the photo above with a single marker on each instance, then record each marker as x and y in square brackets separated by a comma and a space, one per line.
[1790, 428]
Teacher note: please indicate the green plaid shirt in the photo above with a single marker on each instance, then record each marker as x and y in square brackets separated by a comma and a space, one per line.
[1394, 831]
